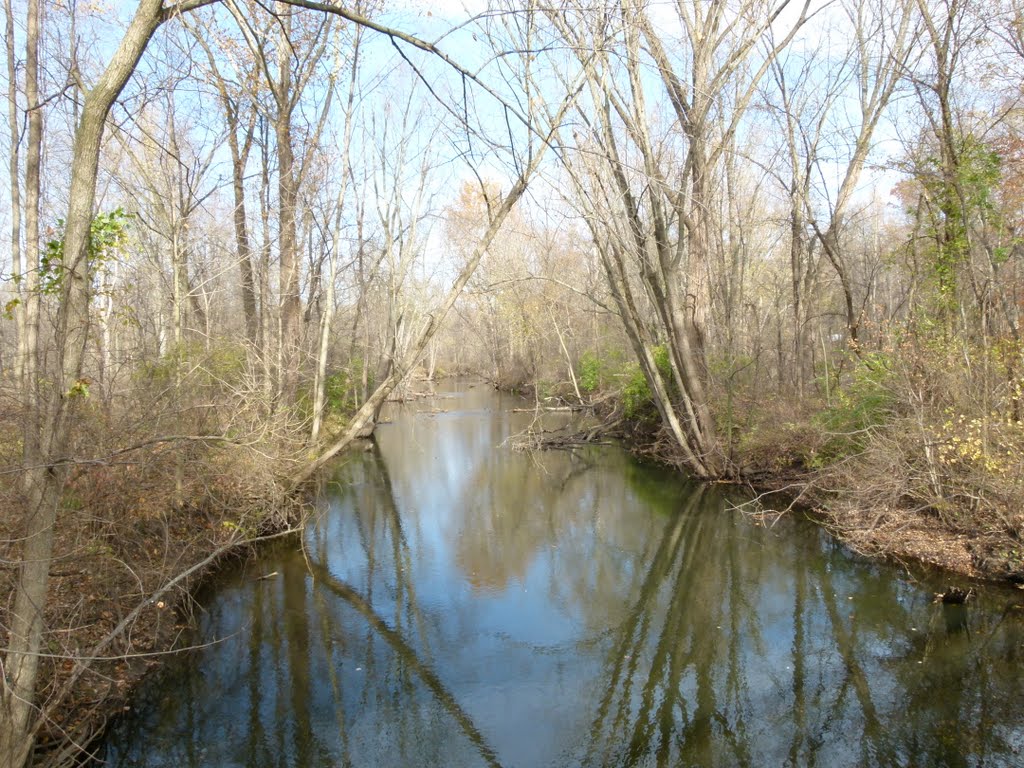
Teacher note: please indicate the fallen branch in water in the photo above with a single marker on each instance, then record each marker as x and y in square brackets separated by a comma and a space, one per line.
[408, 397]
[553, 409]
[84, 662]
[546, 440]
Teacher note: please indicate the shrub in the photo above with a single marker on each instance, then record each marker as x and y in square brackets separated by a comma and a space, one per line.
[637, 399]
[341, 388]
[590, 373]
[865, 403]
[636, 395]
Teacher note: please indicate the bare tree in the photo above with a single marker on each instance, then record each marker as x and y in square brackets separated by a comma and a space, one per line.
[288, 58]
[883, 47]
[656, 225]
[238, 107]
[333, 257]
[25, 255]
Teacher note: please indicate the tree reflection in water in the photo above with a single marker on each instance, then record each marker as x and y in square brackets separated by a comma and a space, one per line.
[460, 604]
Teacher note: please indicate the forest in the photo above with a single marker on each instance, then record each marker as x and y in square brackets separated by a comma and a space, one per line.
[774, 243]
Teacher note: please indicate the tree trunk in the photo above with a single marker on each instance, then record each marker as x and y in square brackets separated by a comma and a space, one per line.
[320, 383]
[287, 196]
[362, 422]
[33, 163]
[243, 248]
[14, 167]
[45, 471]
[239, 160]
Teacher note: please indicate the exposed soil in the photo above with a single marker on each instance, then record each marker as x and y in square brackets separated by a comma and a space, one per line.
[903, 535]
[901, 539]
[908, 536]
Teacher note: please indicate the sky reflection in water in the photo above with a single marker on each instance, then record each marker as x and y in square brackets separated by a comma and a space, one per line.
[463, 604]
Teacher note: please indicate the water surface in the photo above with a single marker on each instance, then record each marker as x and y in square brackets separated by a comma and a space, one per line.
[459, 603]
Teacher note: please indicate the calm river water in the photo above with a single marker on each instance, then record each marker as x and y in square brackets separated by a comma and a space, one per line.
[458, 603]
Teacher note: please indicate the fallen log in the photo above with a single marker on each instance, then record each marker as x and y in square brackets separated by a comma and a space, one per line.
[553, 409]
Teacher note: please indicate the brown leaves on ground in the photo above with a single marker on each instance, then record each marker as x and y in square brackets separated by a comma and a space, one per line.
[905, 536]
[121, 537]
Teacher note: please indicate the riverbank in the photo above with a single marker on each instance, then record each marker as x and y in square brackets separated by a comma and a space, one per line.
[891, 534]
[859, 507]
[903, 489]
[133, 543]
[125, 539]
[455, 595]
[882, 496]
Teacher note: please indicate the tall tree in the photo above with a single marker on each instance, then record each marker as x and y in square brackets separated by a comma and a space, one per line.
[46, 464]
[289, 47]
[333, 257]
[883, 45]
[656, 224]
[238, 98]
[25, 201]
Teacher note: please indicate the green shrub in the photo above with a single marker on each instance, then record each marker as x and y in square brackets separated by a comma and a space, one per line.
[636, 395]
[590, 373]
[637, 399]
[341, 388]
[865, 402]
[661, 360]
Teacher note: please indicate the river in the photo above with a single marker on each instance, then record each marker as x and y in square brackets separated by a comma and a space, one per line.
[456, 602]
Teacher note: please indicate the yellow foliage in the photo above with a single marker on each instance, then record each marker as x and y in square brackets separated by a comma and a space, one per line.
[990, 443]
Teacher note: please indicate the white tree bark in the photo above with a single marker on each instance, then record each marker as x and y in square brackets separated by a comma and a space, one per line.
[319, 384]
